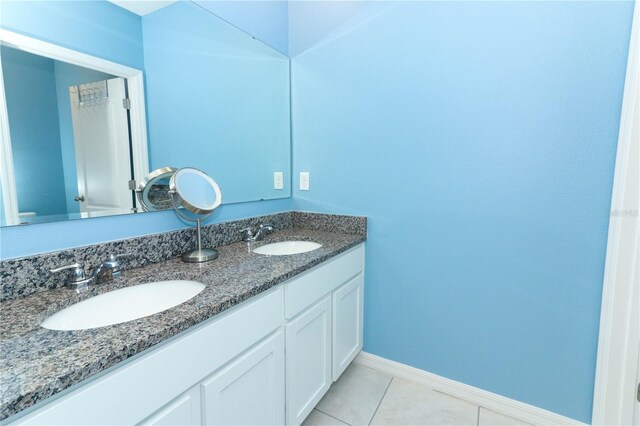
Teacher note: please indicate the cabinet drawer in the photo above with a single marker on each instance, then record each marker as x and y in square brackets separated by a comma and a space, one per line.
[305, 290]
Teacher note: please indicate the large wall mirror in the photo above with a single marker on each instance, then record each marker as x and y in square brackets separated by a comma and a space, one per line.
[95, 96]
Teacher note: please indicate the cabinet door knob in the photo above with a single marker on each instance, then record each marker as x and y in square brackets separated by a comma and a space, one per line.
[79, 198]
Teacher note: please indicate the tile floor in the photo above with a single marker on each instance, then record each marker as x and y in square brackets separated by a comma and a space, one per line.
[363, 396]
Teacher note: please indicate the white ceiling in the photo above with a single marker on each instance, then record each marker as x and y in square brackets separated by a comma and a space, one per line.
[142, 7]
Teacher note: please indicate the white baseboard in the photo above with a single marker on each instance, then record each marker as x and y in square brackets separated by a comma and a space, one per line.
[494, 402]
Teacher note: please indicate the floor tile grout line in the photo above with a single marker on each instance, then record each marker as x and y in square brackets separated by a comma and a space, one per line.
[381, 399]
[333, 417]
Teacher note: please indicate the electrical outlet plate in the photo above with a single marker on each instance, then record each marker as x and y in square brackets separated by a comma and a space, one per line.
[304, 181]
[278, 180]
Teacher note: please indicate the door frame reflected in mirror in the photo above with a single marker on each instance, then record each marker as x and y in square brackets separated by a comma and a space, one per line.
[135, 83]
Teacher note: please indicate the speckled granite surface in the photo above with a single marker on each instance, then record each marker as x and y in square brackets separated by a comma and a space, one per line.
[37, 363]
[28, 275]
[330, 222]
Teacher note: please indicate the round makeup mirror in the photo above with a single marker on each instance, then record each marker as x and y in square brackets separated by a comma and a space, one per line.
[198, 195]
[153, 192]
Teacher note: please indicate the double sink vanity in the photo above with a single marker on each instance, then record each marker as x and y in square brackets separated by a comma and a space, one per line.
[243, 322]
[252, 339]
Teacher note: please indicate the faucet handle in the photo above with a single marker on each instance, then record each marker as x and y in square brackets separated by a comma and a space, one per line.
[62, 268]
[247, 233]
[76, 273]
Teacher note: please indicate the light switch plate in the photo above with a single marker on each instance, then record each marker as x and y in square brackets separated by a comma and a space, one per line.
[278, 180]
[304, 181]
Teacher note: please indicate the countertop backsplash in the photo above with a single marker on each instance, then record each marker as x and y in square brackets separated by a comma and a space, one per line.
[27, 275]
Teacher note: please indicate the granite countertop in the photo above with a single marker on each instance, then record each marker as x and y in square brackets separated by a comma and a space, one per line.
[38, 363]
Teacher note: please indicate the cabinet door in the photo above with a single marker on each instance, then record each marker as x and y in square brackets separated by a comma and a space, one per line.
[308, 360]
[184, 410]
[249, 390]
[347, 324]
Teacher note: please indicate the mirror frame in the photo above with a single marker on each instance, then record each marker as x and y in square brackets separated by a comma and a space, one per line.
[142, 191]
[179, 200]
[135, 82]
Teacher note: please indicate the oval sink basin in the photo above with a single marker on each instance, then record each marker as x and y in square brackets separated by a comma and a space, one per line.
[285, 248]
[125, 304]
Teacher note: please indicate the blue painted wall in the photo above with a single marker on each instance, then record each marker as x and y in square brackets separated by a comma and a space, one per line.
[217, 100]
[3, 218]
[479, 138]
[35, 139]
[480, 141]
[266, 20]
[312, 21]
[71, 75]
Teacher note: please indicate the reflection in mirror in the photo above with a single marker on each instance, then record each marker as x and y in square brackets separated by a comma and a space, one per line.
[70, 139]
[230, 113]
[200, 195]
[153, 191]
[216, 99]
[76, 133]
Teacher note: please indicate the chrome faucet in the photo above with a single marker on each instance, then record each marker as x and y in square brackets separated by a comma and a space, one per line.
[250, 237]
[105, 271]
[108, 269]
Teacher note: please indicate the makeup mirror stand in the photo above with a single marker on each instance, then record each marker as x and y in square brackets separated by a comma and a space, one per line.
[183, 197]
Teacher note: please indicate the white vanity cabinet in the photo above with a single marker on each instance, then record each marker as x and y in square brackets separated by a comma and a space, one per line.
[250, 390]
[178, 381]
[308, 360]
[348, 303]
[233, 368]
[324, 313]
